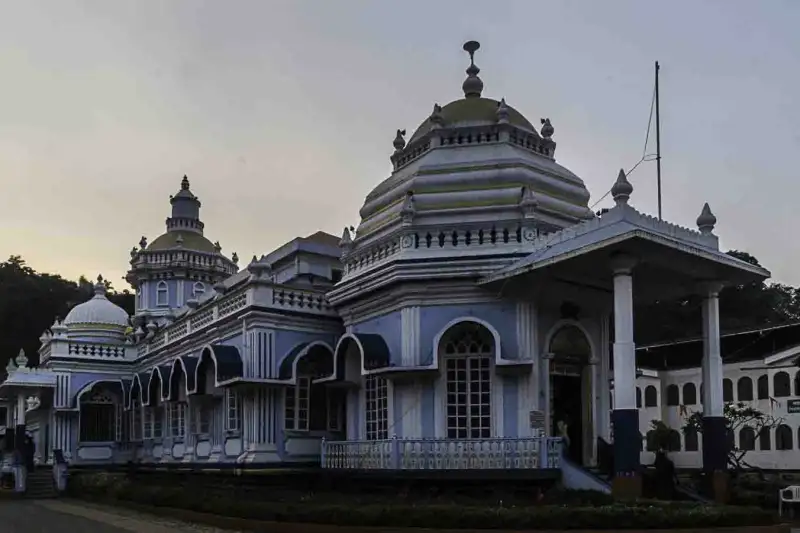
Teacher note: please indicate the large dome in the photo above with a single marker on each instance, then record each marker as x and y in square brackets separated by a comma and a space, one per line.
[472, 112]
[98, 311]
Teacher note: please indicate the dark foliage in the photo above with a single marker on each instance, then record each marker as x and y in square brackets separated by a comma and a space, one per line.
[742, 307]
[578, 512]
[30, 301]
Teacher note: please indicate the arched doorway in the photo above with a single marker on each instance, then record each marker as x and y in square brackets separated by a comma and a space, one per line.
[571, 392]
[467, 351]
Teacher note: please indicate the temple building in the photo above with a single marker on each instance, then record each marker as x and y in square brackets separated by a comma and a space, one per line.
[479, 317]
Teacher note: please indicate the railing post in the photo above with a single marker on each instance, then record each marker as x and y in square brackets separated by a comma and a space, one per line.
[543, 445]
[322, 453]
[395, 457]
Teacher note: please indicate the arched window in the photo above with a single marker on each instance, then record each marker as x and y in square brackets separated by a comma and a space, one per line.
[747, 439]
[674, 441]
[781, 384]
[763, 387]
[638, 398]
[764, 441]
[673, 395]
[691, 440]
[783, 438]
[198, 289]
[162, 294]
[650, 396]
[689, 394]
[744, 389]
[727, 390]
[467, 350]
[98, 417]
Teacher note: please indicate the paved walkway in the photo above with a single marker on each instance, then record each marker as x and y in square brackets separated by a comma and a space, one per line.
[48, 516]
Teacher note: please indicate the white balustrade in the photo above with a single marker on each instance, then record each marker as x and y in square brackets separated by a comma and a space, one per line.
[443, 454]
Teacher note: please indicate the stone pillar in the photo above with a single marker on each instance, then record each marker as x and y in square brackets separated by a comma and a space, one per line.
[545, 392]
[715, 443]
[625, 418]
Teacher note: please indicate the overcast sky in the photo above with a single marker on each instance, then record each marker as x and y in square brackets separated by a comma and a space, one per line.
[282, 113]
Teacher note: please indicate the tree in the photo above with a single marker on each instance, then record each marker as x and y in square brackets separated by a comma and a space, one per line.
[749, 306]
[30, 302]
[738, 416]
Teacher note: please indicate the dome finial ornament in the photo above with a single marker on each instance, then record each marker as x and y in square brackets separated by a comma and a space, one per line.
[622, 189]
[185, 183]
[706, 221]
[399, 141]
[547, 129]
[100, 286]
[473, 86]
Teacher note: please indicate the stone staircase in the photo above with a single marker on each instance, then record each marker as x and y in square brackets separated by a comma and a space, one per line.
[40, 484]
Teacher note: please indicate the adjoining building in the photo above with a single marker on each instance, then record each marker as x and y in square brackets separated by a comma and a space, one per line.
[466, 323]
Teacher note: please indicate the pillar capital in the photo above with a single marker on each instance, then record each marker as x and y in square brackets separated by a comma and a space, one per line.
[622, 263]
[710, 289]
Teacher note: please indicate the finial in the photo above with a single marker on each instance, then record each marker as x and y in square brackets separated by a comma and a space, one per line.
[473, 86]
[22, 359]
[502, 112]
[179, 240]
[217, 247]
[547, 128]
[622, 189]
[346, 241]
[100, 286]
[706, 221]
[143, 242]
[10, 366]
[437, 120]
[399, 142]
[235, 258]
[185, 183]
[134, 251]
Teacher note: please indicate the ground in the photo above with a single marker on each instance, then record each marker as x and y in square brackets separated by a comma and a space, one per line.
[48, 516]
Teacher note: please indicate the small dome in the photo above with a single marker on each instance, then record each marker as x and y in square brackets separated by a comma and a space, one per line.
[188, 240]
[99, 310]
[473, 112]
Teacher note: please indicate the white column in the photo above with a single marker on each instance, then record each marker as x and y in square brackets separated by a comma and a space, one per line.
[624, 347]
[603, 393]
[21, 408]
[626, 415]
[712, 359]
[545, 392]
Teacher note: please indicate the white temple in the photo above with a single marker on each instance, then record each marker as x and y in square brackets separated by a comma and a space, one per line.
[479, 303]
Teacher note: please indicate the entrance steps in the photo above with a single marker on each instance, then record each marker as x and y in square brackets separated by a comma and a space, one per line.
[40, 484]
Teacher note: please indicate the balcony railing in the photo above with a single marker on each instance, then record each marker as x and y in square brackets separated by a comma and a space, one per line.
[443, 454]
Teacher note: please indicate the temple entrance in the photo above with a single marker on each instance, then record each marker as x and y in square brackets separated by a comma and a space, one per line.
[571, 411]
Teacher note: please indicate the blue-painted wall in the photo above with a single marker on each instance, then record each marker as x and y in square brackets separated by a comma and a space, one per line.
[501, 315]
[389, 327]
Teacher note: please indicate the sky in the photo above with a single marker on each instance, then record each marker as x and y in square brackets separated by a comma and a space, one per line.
[282, 112]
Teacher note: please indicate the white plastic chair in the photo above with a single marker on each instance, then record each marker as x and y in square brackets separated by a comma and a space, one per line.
[790, 494]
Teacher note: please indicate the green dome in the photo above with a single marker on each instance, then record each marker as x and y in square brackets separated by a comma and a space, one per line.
[475, 110]
[191, 241]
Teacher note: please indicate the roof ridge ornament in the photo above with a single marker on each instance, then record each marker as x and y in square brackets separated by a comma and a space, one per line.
[399, 142]
[622, 189]
[547, 129]
[22, 359]
[706, 221]
[473, 85]
[502, 112]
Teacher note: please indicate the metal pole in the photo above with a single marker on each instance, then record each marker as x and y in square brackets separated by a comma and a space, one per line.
[658, 145]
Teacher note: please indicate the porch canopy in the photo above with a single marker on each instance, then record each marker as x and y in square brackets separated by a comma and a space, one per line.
[577, 263]
[25, 388]
[619, 258]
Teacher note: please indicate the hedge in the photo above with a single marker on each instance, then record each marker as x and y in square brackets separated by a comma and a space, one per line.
[615, 516]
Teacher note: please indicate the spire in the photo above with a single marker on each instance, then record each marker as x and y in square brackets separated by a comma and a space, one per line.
[472, 86]
[706, 221]
[100, 286]
[185, 183]
[622, 189]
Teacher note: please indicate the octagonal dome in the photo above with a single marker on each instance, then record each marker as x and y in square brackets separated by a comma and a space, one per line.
[476, 111]
[99, 311]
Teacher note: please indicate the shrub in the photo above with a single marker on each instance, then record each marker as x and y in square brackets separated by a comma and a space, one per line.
[589, 510]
